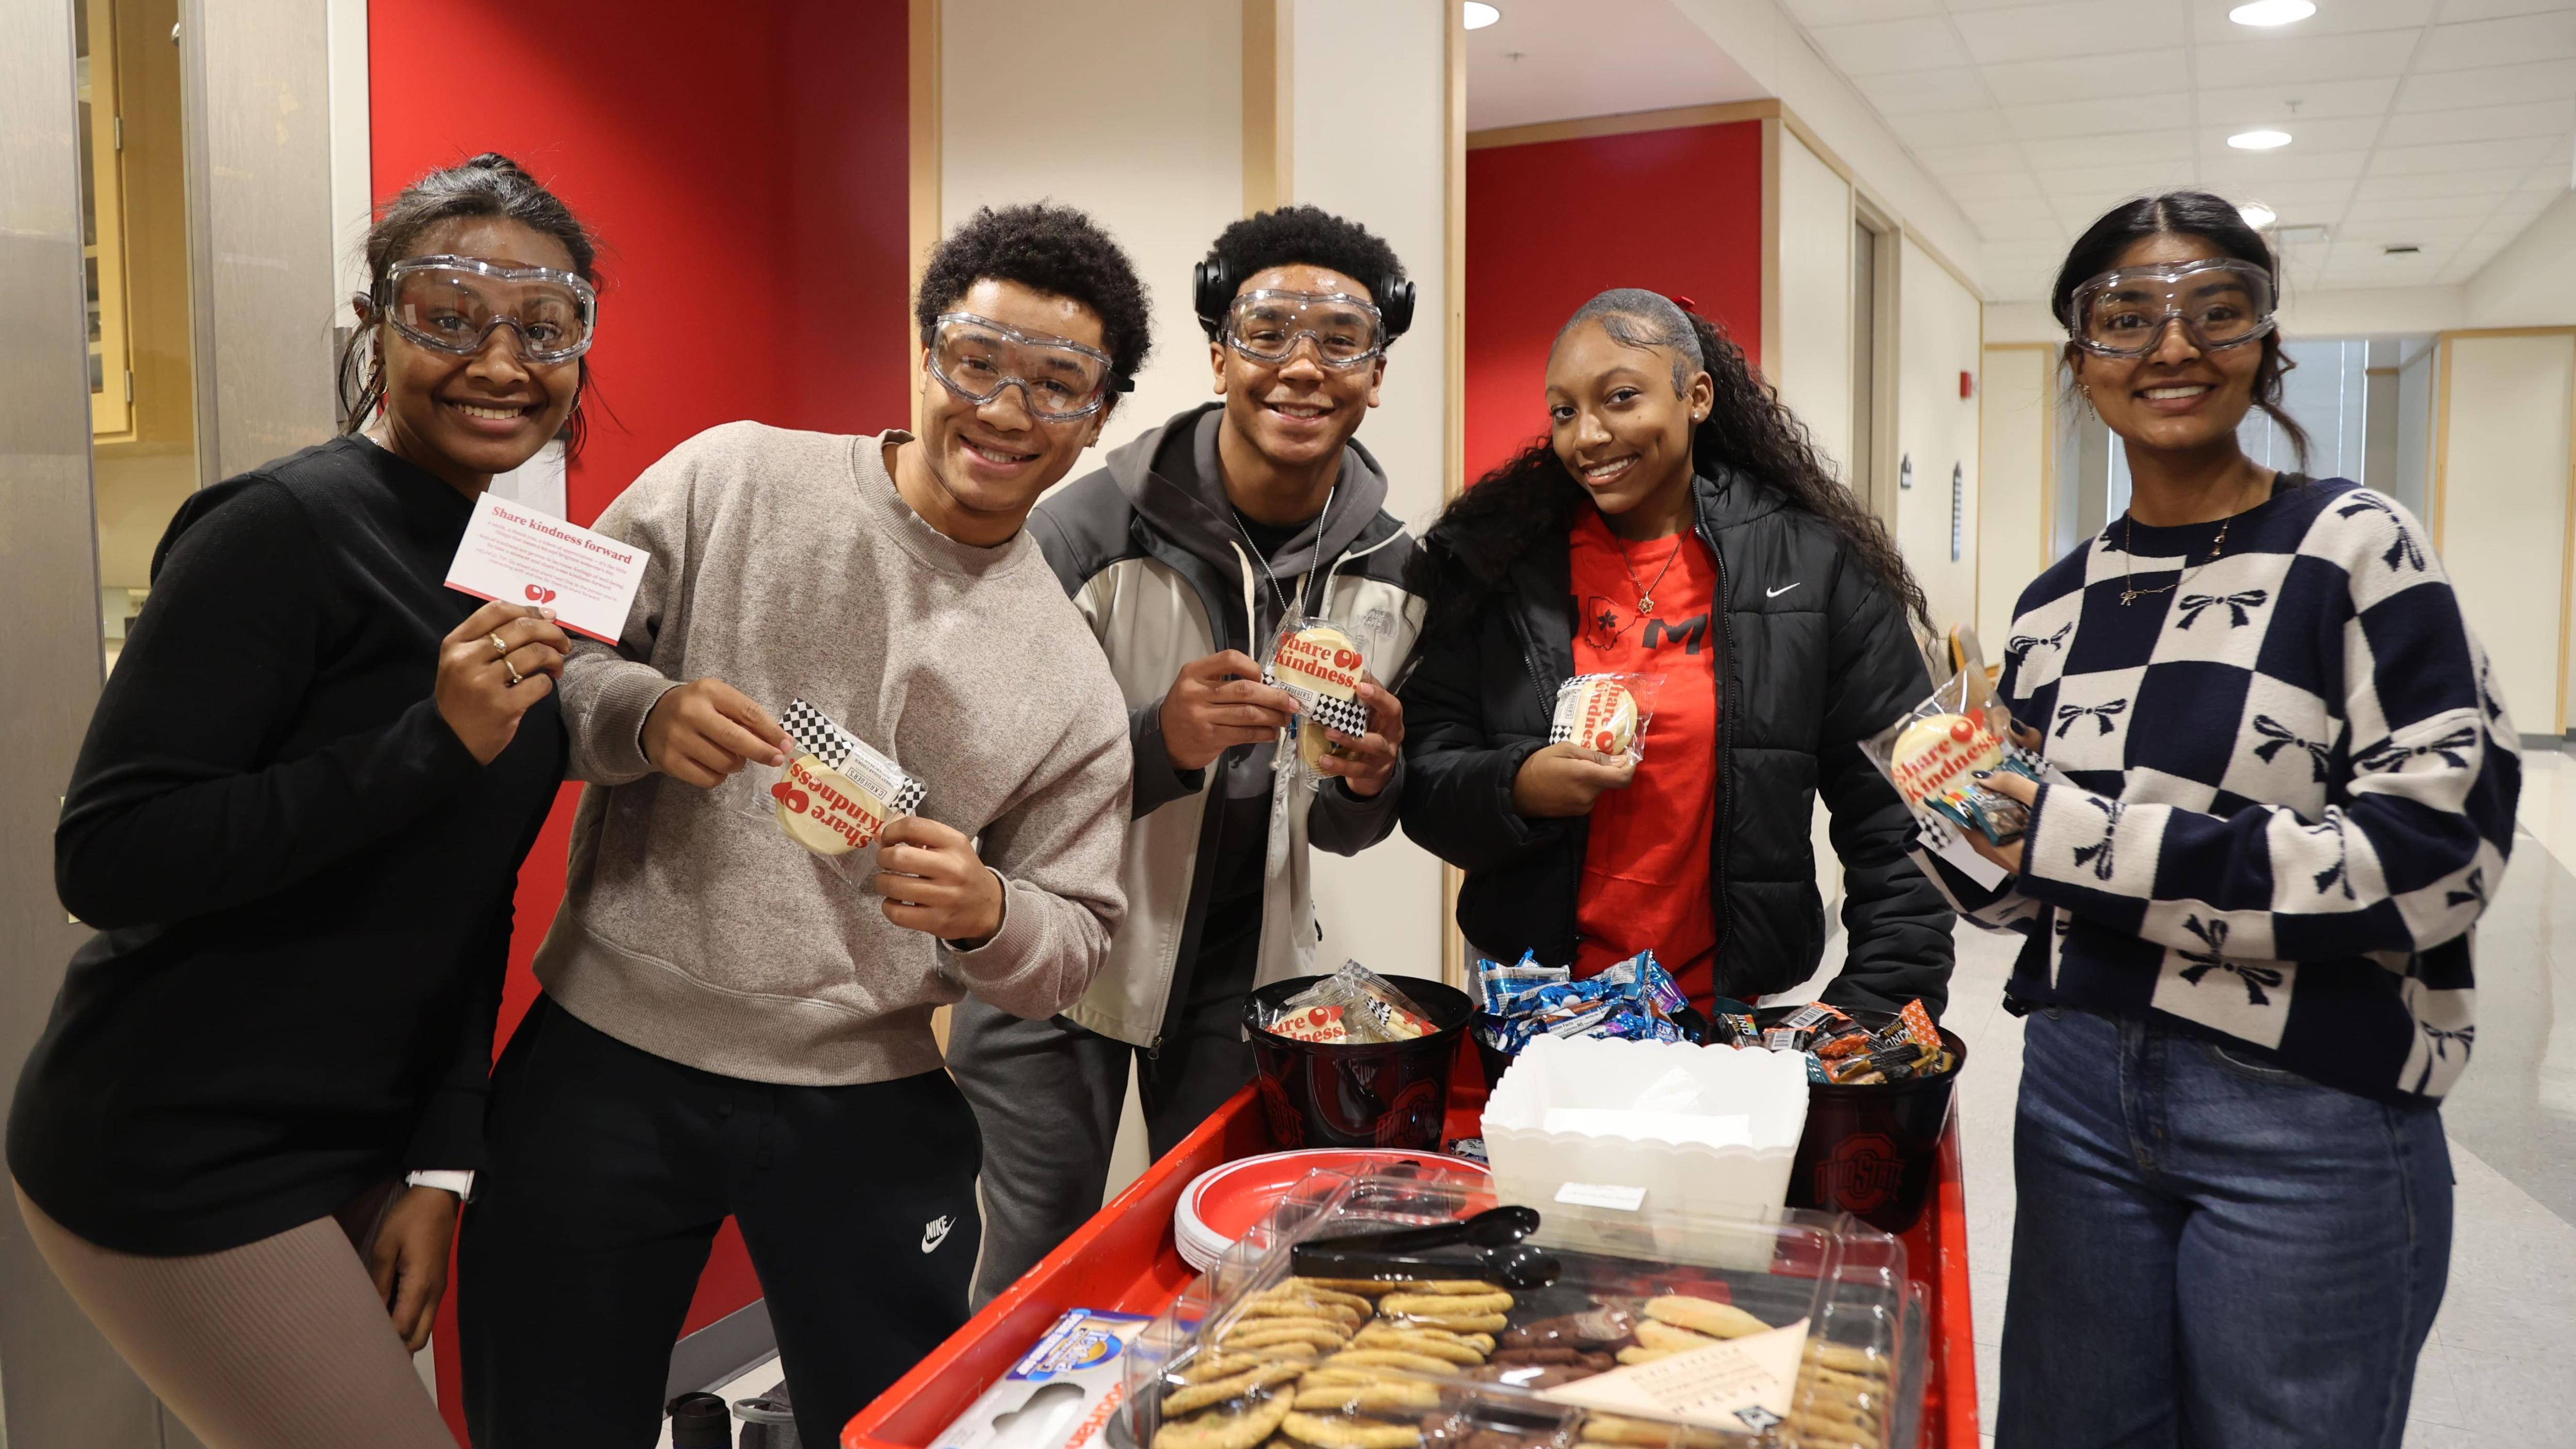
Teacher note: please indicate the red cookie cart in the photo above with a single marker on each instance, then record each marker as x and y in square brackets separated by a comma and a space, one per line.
[1124, 1260]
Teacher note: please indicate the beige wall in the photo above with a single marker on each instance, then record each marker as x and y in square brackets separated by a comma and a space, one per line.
[1156, 89]
[2016, 399]
[2500, 506]
[1938, 338]
[1382, 164]
[1814, 368]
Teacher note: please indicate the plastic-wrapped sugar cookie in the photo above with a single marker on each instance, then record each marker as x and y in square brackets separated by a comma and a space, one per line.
[837, 794]
[1321, 667]
[1604, 712]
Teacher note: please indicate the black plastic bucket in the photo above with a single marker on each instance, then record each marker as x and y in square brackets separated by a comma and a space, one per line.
[1387, 1094]
[1872, 1151]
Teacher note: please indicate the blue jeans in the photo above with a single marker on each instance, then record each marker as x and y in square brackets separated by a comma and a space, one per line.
[2211, 1252]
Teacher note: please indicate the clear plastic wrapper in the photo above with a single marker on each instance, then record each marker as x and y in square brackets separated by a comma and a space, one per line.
[1352, 1006]
[1605, 712]
[1635, 1000]
[836, 793]
[1321, 664]
[1812, 1339]
[1934, 753]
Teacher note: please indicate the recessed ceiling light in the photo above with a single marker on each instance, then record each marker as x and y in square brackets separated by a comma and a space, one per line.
[1480, 15]
[2272, 12]
[2258, 140]
[2257, 215]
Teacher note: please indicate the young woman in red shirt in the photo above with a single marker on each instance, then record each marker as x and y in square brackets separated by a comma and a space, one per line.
[1676, 521]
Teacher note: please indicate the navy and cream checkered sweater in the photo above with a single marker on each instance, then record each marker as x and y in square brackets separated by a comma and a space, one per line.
[2293, 789]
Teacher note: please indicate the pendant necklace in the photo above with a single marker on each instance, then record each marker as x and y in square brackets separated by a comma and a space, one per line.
[2130, 593]
[1646, 592]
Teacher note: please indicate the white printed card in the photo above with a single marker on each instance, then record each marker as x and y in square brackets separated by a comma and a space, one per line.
[518, 555]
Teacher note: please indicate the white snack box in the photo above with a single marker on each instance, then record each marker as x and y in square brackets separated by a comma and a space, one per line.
[1061, 1391]
[1639, 1125]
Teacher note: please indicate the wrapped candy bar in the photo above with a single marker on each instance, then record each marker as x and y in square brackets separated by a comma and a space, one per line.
[1841, 1051]
[1634, 1000]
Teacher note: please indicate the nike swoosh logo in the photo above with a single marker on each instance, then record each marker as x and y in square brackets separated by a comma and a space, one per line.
[935, 1233]
[1784, 588]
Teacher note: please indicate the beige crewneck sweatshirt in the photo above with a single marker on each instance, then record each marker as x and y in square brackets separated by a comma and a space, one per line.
[787, 565]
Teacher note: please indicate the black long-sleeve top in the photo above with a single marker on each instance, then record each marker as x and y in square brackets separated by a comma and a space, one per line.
[300, 877]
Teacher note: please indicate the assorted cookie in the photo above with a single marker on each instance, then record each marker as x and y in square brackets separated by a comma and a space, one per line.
[1351, 1364]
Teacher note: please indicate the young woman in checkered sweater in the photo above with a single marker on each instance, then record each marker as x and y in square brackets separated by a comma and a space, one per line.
[2288, 794]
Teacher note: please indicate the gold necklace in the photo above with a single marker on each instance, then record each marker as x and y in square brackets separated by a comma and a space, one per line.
[2130, 593]
[1646, 592]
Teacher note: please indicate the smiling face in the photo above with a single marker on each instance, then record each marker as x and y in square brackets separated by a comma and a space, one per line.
[992, 460]
[467, 418]
[2177, 398]
[1616, 422]
[1299, 413]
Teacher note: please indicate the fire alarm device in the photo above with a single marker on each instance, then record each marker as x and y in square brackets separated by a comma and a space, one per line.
[1967, 384]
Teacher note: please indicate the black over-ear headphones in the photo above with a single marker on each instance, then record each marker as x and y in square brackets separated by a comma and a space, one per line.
[1213, 285]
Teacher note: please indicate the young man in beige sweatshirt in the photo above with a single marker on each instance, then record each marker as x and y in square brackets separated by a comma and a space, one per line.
[733, 1026]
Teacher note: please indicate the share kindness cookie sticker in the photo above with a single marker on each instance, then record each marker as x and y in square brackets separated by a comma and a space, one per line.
[1937, 758]
[1321, 666]
[837, 794]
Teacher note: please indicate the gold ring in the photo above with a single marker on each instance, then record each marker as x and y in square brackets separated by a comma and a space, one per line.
[515, 676]
[498, 648]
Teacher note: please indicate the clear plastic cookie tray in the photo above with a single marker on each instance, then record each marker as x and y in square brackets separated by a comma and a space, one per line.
[1574, 1326]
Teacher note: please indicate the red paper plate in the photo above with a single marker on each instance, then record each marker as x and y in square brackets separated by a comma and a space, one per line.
[1230, 1199]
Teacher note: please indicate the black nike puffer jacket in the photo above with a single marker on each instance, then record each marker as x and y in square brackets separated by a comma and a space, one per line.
[1814, 657]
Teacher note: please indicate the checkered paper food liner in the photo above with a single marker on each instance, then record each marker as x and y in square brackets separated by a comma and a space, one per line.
[819, 735]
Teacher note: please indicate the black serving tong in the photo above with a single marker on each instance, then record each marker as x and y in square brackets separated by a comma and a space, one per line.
[1487, 1246]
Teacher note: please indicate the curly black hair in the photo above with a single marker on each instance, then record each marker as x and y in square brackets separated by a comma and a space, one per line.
[1532, 498]
[1309, 236]
[489, 185]
[1056, 249]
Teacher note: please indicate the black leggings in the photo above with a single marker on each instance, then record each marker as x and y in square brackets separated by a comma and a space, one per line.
[610, 1170]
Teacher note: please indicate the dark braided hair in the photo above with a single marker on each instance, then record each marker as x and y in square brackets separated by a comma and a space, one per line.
[489, 185]
[1532, 498]
[2180, 213]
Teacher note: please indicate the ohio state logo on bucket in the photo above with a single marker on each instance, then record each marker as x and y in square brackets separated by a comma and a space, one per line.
[1861, 1174]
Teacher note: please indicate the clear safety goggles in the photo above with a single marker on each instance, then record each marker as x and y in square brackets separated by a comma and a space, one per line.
[1267, 325]
[2220, 303]
[976, 357]
[451, 304]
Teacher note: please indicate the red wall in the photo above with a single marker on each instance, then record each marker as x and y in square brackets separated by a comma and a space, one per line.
[1551, 223]
[746, 170]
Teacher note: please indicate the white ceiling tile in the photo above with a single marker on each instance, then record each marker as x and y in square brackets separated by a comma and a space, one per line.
[2139, 148]
[1890, 45]
[2303, 199]
[2424, 231]
[2287, 59]
[2143, 73]
[2522, 205]
[2347, 133]
[1812, 13]
[1950, 161]
[2011, 218]
[2118, 180]
[2458, 10]
[2482, 123]
[2064, 28]
[2318, 100]
[2436, 183]
[1905, 92]
[1992, 186]
[2459, 156]
[2473, 209]
[2548, 36]
[2255, 170]
[1955, 128]
[2488, 85]
[2110, 116]
[2210, 25]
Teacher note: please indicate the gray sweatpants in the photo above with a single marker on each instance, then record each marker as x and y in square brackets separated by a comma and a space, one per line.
[1048, 1095]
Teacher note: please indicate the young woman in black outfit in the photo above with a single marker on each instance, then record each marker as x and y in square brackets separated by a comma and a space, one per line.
[296, 823]
[1675, 521]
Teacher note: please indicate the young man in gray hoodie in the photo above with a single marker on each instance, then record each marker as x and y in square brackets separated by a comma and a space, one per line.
[733, 1025]
[1184, 553]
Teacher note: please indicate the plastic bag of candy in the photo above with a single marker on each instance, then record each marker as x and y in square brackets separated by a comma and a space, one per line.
[1635, 1000]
